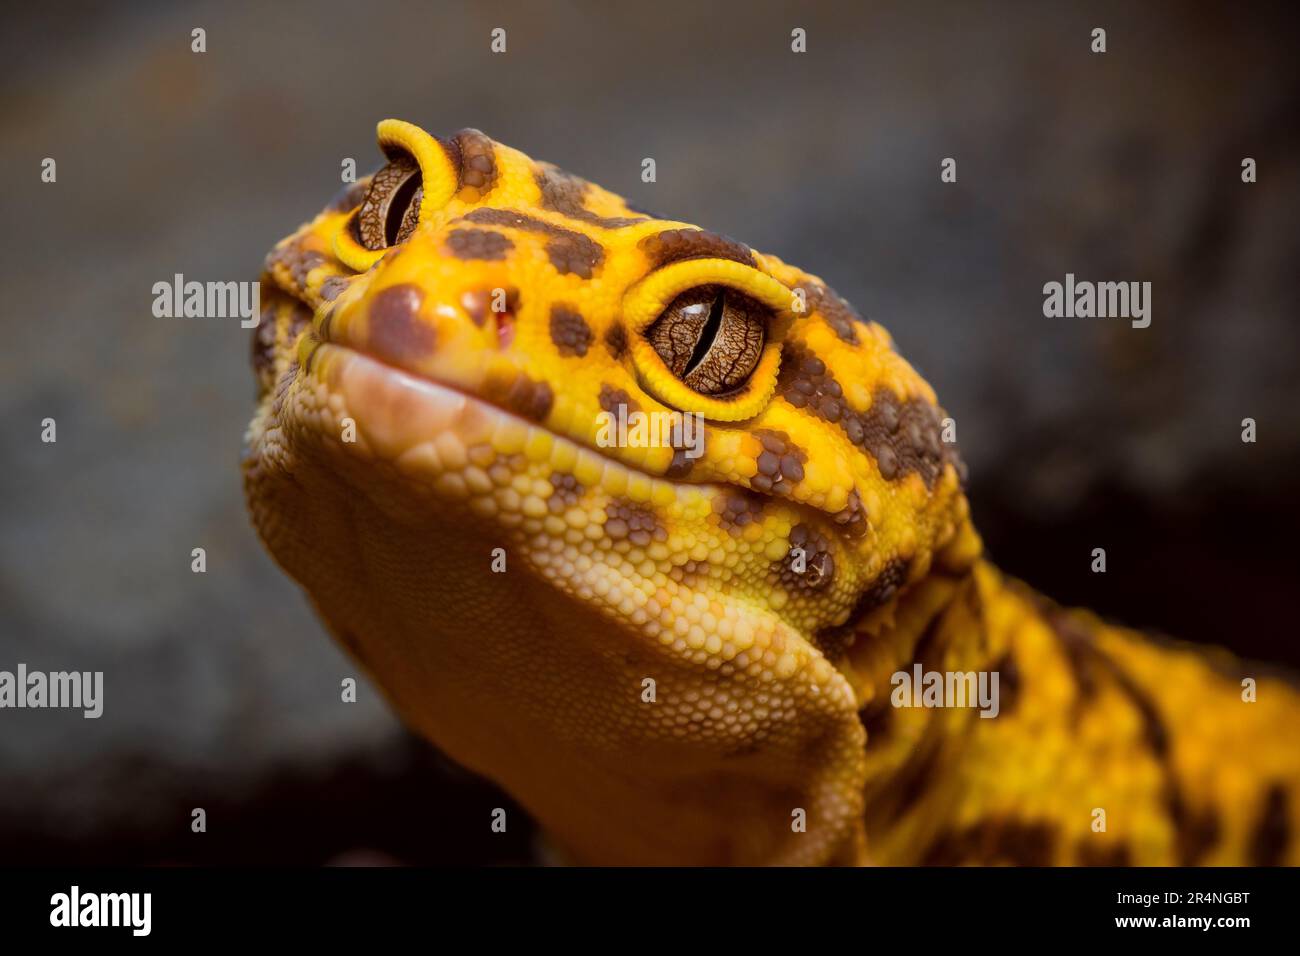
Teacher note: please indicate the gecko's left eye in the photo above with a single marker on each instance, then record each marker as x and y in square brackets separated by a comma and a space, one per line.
[710, 337]
[391, 209]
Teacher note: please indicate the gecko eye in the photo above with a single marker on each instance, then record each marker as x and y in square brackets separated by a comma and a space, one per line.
[391, 209]
[711, 337]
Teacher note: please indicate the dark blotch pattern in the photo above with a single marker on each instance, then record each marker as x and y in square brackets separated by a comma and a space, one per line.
[298, 262]
[674, 245]
[852, 518]
[993, 841]
[564, 193]
[903, 436]
[569, 330]
[333, 287]
[634, 522]
[478, 244]
[1096, 851]
[524, 396]
[689, 572]
[780, 463]
[567, 492]
[616, 340]
[570, 252]
[914, 780]
[1272, 833]
[477, 162]
[1009, 683]
[819, 564]
[680, 466]
[611, 398]
[262, 354]
[839, 315]
[737, 510]
[1197, 830]
[396, 332]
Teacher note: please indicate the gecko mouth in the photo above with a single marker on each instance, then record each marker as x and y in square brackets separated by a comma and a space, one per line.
[463, 444]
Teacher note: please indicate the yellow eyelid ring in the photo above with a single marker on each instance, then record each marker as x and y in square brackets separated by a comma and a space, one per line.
[646, 301]
[440, 178]
[352, 253]
[440, 174]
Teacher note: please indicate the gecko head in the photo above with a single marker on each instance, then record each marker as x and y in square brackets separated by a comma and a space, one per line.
[693, 441]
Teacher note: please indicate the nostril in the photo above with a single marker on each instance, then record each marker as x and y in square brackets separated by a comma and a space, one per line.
[505, 329]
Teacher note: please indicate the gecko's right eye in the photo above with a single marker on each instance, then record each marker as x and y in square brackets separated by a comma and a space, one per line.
[391, 209]
[711, 338]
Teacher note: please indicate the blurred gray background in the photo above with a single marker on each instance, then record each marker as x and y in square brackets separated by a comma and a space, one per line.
[222, 691]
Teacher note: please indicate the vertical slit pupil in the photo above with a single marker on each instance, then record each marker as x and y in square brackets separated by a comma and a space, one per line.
[708, 333]
[402, 197]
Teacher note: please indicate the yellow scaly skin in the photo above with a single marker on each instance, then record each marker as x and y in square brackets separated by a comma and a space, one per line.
[405, 430]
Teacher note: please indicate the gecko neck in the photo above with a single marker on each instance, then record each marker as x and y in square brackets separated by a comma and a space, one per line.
[925, 682]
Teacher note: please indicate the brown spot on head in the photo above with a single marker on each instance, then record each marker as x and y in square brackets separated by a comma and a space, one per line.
[903, 436]
[837, 313]
[575, 254]
[396, 331]
[680, 466]
[476, 155]
[567, 492]
[478, 244]
[569, 330]
[291, 257]
[689, 572]
[780, 463]
[818, 562]
[570, 252]
[333, 287]
[612, 398]
[738, 509]
[674, 245]
[616, 340]
[564, 194]
[634, 522]
[852, 518]
[525, 397]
